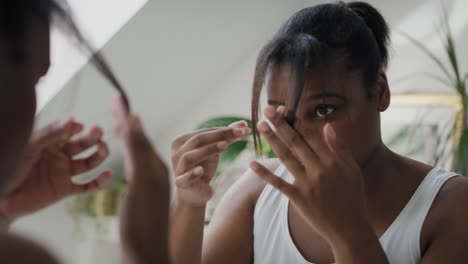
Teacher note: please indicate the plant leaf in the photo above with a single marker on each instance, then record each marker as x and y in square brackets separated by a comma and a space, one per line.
[461, 157]
[445, 18]
[271, 154]
[425, 74]
[441, 156]
[399, 136]
[451, 52]
[427, 51]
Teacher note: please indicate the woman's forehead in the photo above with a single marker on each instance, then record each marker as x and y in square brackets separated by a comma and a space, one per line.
[280, 82]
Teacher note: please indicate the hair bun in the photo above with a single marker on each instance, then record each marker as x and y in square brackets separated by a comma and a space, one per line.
[376, 23]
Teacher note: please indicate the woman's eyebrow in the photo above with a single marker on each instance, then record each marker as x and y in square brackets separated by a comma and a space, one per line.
[322, 96]
[273, 102]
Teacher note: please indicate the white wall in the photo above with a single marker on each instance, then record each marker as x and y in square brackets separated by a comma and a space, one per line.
[231, 97]
[420, 23]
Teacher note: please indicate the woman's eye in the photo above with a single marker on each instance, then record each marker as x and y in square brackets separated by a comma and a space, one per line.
[323, 111]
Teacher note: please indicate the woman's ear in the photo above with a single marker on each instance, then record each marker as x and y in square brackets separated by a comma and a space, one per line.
[383, 91]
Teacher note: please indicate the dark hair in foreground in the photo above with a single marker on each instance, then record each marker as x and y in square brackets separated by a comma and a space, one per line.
[312, 38]
[14, 16]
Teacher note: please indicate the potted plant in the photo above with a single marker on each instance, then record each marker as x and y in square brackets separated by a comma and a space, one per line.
[450, 75]
[100, 207]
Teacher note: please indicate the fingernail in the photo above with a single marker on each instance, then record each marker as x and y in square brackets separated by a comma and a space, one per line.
[78, 126]
[222, 145]
[103, 152]
[254, 165]
[66, 135]
[115, 101]
[107, 173]
[96, 132]
[263, 127]
[69, 120]
[238, 124]
[331, 132]
[270, 112]
[138, 122]
[103, 148]
[238, 132]
[281, 110]
[198, 170]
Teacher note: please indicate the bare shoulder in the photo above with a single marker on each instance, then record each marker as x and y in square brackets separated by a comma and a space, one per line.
[452, 200]
[253, 184]
[450, 209]
[14, 249]
[446, 222]
[229, 237]
[245, 192]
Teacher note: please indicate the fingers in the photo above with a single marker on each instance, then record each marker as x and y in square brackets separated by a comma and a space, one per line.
[56, 133]
[138, 151]
[192, 158]
[314, 138]
[222, 134]
[291, 138]
[239, 124]
[336, 145]
[126, 124]
[181, 140]
[119, 110]
[187, 179]
[75, 147]
[281, 150]
[194, 182]
[95, 185]
[80, 166]
[284, 187]
[129, 128]
[204, 145]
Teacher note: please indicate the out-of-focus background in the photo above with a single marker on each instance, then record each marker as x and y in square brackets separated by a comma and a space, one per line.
[184, 62]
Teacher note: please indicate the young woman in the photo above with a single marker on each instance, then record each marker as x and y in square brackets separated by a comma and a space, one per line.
[335, 193]
[35, 170]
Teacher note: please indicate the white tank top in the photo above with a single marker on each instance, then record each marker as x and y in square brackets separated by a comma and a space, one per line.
[401, 241]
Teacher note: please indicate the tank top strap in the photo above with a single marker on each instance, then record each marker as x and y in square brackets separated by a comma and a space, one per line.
[401, 241]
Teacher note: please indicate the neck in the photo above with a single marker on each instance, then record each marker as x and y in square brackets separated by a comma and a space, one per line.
[380, 166]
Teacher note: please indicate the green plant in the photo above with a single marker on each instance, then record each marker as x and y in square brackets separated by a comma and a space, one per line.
[453, 77]
[236, 148]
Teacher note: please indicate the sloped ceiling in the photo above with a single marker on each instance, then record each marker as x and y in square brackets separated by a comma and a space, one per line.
[66, 59]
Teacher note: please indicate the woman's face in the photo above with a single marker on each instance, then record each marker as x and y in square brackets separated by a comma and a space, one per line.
[339, 98]
[17, 92]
